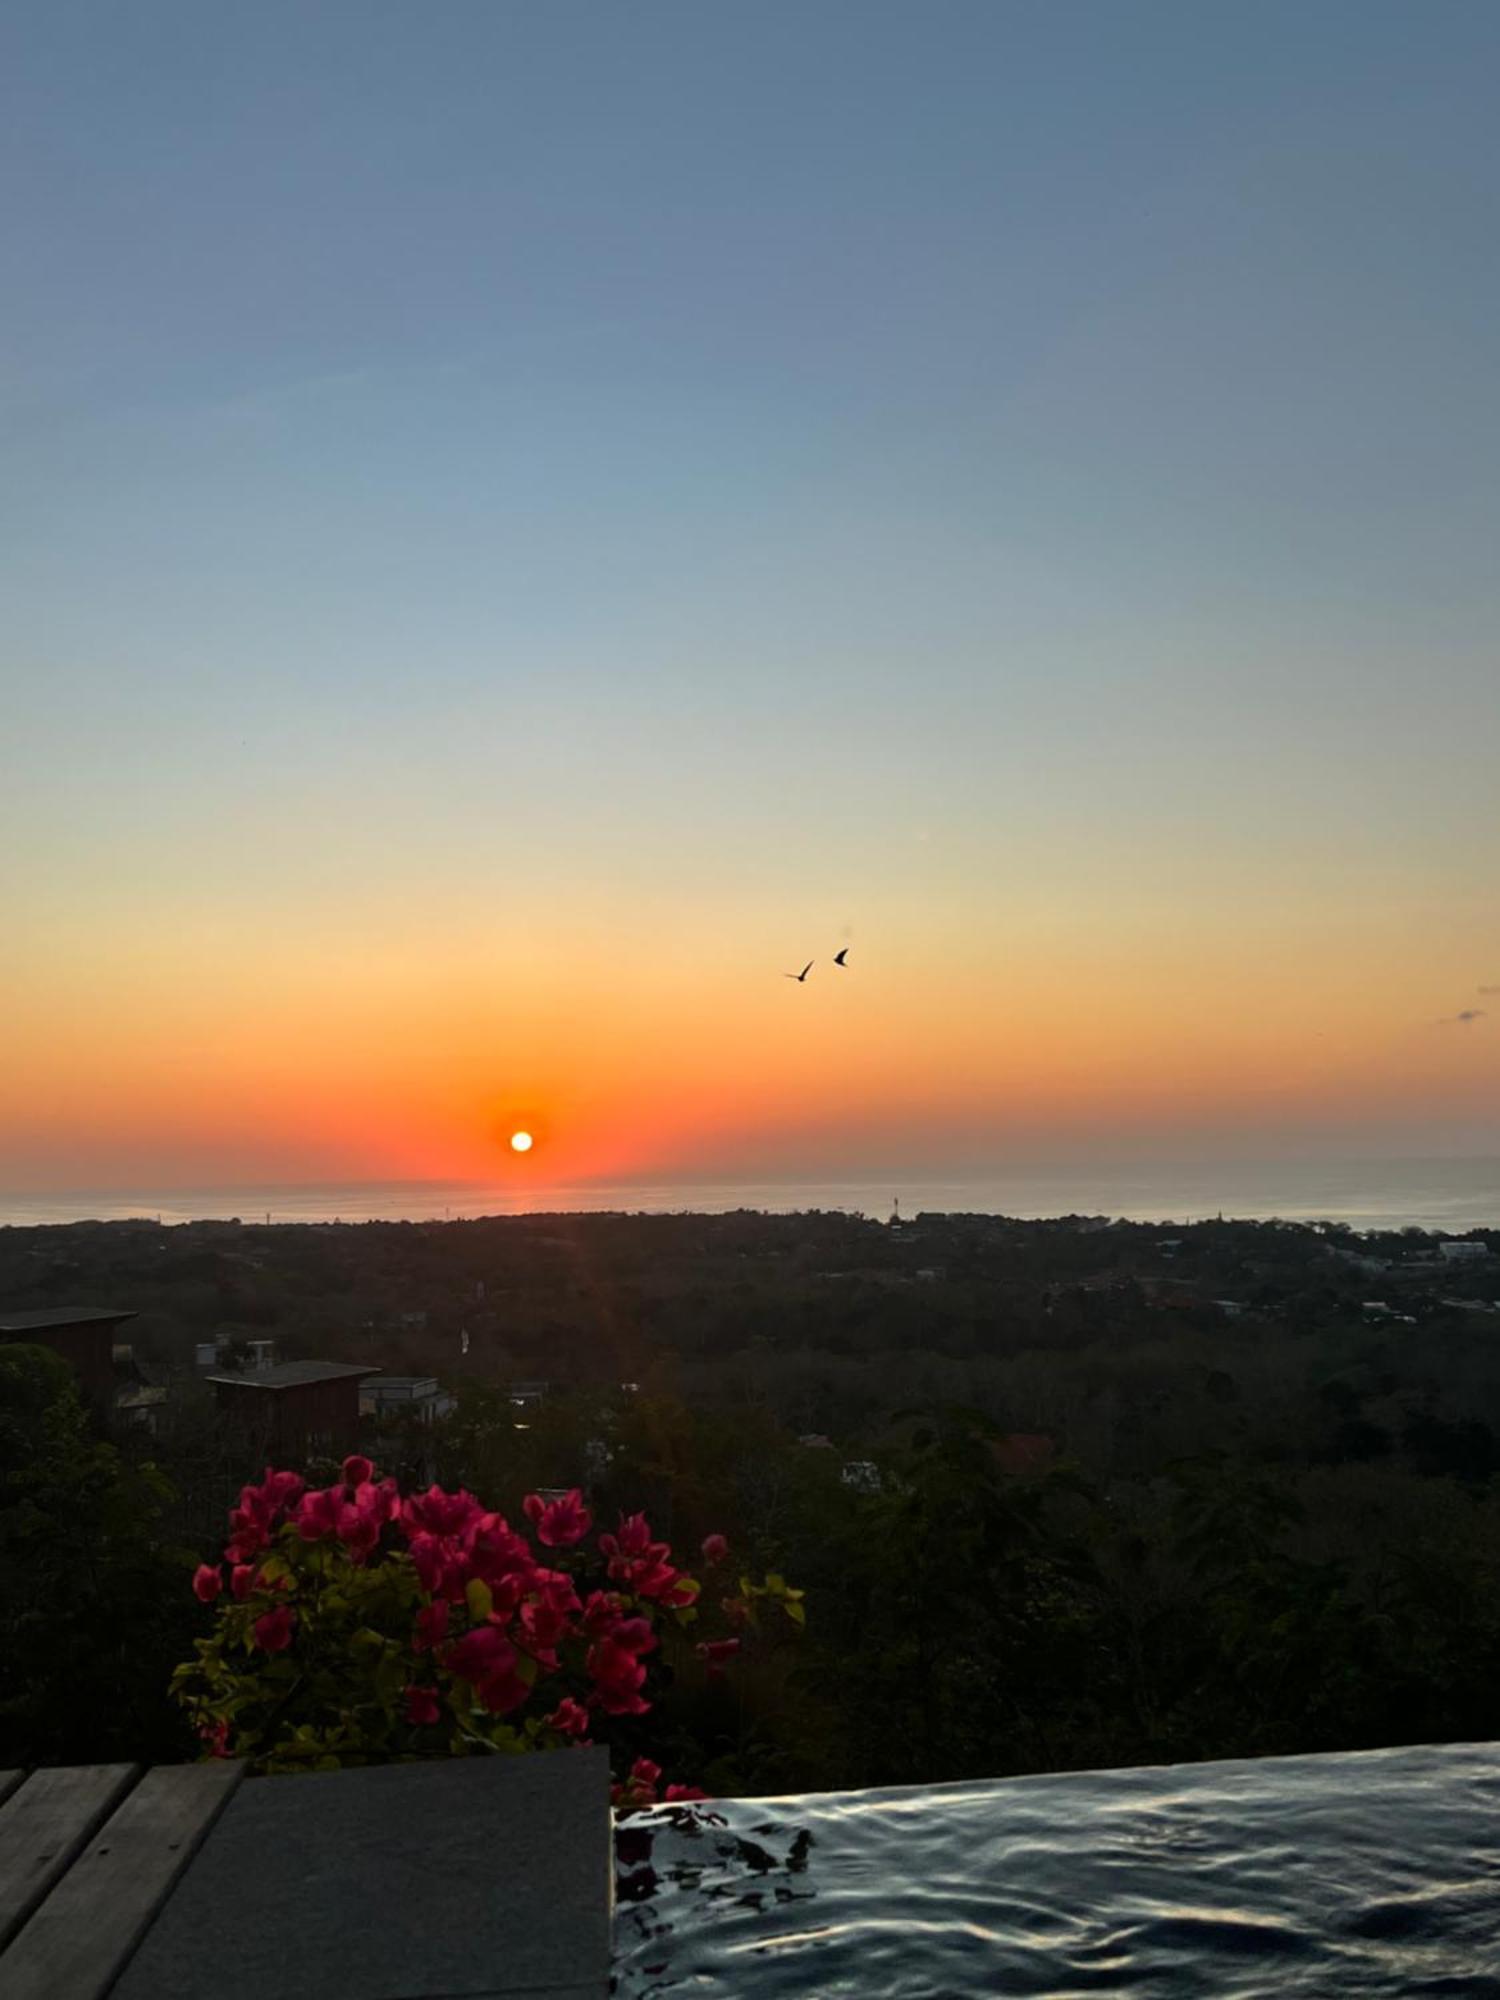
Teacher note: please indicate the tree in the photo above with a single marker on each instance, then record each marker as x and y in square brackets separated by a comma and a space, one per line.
[91, 1616]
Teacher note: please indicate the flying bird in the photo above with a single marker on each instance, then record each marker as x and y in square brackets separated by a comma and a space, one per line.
[800, 976]
[840, 956]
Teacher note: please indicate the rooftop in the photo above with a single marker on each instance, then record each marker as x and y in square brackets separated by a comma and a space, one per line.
[51, 1317]
[295, 1374]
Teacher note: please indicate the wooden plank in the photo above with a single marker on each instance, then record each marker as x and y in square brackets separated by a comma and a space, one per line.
[45, 1825]
[74, 1946]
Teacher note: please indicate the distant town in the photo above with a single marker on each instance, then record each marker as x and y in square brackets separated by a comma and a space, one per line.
[298, 1339]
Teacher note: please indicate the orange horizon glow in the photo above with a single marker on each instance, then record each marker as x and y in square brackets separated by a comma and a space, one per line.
[670, 1068]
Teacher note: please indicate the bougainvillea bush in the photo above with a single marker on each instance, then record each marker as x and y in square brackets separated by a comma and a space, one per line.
[353, 1625]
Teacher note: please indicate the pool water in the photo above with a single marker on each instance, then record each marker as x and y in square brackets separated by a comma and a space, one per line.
[1376, 1873]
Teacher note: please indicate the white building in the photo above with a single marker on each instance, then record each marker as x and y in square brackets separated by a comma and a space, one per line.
[1464, 1248]
[418, 1396]
[214, 1353]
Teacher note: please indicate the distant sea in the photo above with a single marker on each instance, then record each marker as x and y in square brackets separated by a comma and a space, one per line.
[1372, 1194]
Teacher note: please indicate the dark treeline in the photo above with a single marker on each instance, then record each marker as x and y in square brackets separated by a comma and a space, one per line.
[1060, 1494]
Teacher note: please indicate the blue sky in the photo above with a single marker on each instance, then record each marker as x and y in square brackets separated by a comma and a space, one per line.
[935, 468]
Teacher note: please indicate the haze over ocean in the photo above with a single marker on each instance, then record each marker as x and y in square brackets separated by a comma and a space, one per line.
[1446, 1194]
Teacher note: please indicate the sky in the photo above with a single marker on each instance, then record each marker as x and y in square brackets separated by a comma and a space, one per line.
[519, 525]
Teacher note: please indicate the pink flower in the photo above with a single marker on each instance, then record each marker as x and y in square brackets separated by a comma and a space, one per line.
[506, 1593]
[632, 1538]
[635, 1635]
[248, 1534]
[715, 1548]
[541, 1628]
[569, 1718]
[317, 1513]
[281, 1489]
[502, 1693]
[358, 1522]
[216, 1736]
[676, 1794]
[618, 1678]
[258, 1512]
[358, 1536]
[558, 1523]
[422, 1706]
[601, 1613]
[207, 1583]
[273, 1630]
[439, 1565]
[438, 1513]
[487, 1658]
[639, 1563]
[357, 1470]
[495, 1549]
[481, 1655]
[241, 1581]
[715, 1652]
[431, 1626]
[554, 1588]
[639, 1789]
[662, 1584]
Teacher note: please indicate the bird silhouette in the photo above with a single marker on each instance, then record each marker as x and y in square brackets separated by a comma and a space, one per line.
[800, 976]
[840, 956]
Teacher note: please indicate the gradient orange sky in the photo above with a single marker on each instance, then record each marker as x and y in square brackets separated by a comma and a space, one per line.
[524, 528]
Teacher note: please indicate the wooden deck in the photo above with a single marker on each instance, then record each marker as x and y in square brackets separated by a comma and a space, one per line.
[483, 1877]
[88, 1856]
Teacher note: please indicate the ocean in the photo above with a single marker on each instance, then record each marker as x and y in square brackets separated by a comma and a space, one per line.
[1442, 1194]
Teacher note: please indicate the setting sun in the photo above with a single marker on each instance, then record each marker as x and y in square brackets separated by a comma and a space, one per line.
[520, 1142]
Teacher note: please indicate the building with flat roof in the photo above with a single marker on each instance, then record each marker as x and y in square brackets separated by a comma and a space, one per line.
[296, 1410]
[419, 1396]
[83, 1335]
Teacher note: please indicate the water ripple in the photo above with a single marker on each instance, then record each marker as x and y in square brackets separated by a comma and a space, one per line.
[1361, 1875]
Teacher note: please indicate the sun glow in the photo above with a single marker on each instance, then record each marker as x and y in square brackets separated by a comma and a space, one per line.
[520, 1142]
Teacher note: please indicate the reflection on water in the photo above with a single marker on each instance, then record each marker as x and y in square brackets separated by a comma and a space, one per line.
[1369, 1874]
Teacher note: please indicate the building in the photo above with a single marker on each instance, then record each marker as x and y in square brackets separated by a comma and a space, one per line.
[298, 1410]
[1463, 1249]
[83, 1335]
[215, 1354]
[418, 1396]
[143, 1405]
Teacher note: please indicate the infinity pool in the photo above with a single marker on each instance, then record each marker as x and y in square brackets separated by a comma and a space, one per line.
[1377, 1873]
